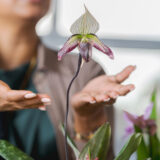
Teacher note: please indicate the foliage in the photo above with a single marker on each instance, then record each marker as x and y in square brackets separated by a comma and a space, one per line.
[150, 143]
[10, 152]
[97, 147]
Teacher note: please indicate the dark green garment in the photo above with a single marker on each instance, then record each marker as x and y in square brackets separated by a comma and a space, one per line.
[30, 129]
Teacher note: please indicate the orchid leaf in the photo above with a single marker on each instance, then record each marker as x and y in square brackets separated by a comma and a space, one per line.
[85, 24]
[154, 147]
[99, 144]
[130, 147]
[10, 152]
[142, 151]
[89, 154]
[154, 112]
[70, 142]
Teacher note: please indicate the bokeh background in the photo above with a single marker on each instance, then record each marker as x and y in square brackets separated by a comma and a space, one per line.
[132, 29]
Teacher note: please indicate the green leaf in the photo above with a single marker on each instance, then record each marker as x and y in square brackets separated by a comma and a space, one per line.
[10, 152]
[143, 150]
[154, 147]
[99, 144]
[70, 142]
[89, 154]
[153, 100]
[130, 147]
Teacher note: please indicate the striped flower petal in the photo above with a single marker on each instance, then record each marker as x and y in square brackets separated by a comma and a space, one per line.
[85, 24]
[130, 118]
[71, 44]
[94, 40]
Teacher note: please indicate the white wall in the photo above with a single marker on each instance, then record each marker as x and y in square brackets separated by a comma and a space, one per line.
[137, 19]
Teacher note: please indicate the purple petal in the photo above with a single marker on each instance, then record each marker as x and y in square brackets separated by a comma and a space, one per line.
[85, 50]
[141, 122]
[151, 124]
[129, 130]
[71, 44]
[153, 130]
[101, 46]
[130, 118]
[148, 111]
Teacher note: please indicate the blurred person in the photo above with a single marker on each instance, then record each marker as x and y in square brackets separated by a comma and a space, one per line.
[31, 76]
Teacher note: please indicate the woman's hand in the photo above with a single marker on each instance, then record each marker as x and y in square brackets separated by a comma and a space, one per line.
[99, 92]
[11, 100]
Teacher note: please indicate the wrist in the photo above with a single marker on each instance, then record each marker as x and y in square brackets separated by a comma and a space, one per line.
[89, 123]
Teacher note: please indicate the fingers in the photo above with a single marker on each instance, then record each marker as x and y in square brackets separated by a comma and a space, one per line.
[28, 103]
[33, 106]
[123, 75]
[99, 98]
[109, 97]
[16, 100]
[14, 95]
[125, 89]
[21, 99]
[42, 108]
[82, 99]
[120, 90]
[40, 100]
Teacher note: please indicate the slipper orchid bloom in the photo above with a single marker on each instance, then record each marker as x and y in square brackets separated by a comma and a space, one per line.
[83, 30]
[143, 122]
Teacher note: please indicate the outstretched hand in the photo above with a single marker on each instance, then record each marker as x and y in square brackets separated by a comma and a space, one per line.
[100, 92]
[11, 100]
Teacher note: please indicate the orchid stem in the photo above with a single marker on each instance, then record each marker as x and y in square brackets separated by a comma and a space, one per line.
[67, 104]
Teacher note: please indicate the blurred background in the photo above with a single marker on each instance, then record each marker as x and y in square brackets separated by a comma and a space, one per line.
[131, 28]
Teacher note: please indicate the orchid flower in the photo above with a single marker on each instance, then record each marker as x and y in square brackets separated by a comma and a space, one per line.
[83, 30]
[143, 122]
